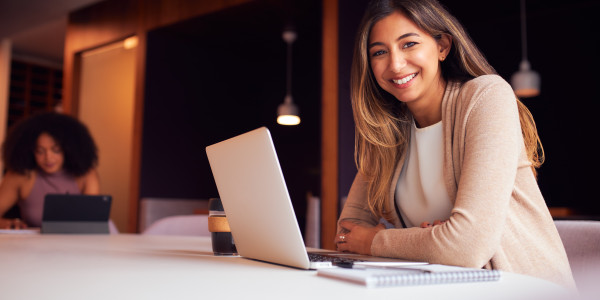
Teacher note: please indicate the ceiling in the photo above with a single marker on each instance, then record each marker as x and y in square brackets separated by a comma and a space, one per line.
[36, 28]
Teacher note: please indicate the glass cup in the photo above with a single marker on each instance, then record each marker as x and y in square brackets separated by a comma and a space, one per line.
[222, 240]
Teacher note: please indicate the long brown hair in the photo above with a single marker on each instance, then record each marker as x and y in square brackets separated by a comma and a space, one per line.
[382, 122]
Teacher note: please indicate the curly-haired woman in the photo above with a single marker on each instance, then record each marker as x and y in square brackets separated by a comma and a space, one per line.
[47, 153]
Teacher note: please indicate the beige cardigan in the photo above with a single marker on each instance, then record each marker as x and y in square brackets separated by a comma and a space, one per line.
[500, 219]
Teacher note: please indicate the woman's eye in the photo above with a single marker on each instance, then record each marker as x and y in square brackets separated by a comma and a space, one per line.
[377, 53]
[409, 44]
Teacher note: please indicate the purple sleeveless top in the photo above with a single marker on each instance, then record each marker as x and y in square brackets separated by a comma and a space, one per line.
[56, 183]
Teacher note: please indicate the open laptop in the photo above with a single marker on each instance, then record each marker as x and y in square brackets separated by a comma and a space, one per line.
[79, 214]
[257, 203]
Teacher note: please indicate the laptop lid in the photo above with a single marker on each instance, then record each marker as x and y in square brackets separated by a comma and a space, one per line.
[256, 200]
[84, 214]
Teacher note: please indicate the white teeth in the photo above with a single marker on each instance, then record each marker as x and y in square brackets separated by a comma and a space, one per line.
[405, 79]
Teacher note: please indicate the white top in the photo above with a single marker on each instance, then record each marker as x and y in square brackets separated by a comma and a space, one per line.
[421, 194]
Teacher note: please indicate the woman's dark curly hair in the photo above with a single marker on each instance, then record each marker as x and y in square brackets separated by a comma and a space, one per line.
[78, 146]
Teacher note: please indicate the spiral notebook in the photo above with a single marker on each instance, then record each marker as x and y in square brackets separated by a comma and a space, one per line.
[413, 275]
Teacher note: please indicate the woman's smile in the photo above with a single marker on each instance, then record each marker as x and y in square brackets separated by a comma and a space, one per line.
[403, 82]
[405, 61]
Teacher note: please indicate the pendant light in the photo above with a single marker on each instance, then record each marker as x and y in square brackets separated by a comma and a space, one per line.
[526, 82]
[287, 112]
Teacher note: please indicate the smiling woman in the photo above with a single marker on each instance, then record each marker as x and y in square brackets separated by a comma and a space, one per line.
[446, 153]
[46, 153]
[405, 61]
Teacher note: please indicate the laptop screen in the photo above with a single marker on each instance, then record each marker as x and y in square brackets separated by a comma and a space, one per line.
[67, 213]
[256, 199]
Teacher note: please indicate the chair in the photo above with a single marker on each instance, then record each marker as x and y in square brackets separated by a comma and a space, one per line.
[112, 228]
[312, 231]
[582, 244]
[154, 209]
[183, 225]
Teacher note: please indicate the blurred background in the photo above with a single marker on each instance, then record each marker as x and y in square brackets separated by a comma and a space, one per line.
[197, 72]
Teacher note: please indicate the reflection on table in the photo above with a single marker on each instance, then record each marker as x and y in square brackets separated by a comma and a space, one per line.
[128, 266]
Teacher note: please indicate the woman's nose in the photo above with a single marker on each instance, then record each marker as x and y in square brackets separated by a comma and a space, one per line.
[397, 62]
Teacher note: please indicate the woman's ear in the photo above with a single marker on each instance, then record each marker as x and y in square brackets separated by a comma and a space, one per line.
[444, 46]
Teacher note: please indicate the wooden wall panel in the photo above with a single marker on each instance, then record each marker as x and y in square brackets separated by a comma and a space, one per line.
[102, 24]
[165, 12]
[138, 124]
[329, 123]
[89, 28]
[114, 20]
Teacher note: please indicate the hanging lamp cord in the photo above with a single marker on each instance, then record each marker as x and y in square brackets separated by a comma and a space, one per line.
[289, 68]
[523, 31]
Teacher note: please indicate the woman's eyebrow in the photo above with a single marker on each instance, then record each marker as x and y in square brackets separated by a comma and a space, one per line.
[399, 38]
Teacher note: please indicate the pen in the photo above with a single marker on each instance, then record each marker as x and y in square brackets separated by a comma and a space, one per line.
[344, 264]
[352, 265]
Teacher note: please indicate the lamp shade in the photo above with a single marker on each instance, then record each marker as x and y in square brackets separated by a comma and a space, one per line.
[287, 112]
[526, 82]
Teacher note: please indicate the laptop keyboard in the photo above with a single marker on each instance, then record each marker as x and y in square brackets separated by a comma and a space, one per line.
[336, 260]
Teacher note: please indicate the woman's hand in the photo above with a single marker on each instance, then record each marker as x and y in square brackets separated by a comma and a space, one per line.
[12, 224]
[357, 238]
[436, 222]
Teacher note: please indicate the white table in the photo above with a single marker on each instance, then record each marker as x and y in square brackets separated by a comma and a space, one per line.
[131, 266]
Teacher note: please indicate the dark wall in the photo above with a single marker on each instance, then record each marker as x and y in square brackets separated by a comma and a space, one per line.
[350, 13]
[562, 44]
[563, 51]
[206, 72]
[214, 77]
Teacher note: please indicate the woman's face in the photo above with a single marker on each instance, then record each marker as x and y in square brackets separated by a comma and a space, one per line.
[405, 59]
[48, 154]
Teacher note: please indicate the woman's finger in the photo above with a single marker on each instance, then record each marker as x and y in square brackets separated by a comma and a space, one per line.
[340, 238]
[347, 225]
[343, 247]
